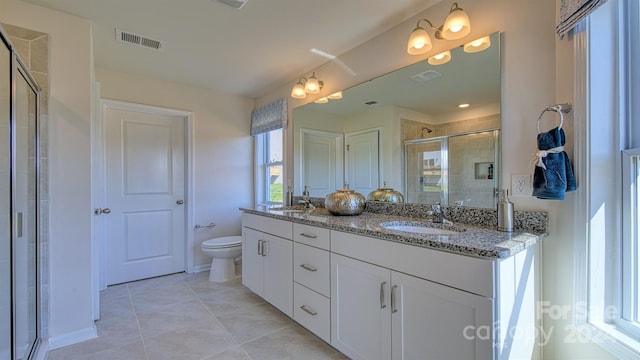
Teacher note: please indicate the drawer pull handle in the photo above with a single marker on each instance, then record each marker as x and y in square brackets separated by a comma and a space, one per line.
[310, 236]
[308, 311]
[382, 304]
[394, 309]
[308, 267]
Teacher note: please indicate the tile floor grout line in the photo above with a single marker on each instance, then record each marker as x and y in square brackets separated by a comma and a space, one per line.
[135, 314]
[265, 334]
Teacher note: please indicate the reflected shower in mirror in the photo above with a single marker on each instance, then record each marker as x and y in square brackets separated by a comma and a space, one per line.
[360, 139]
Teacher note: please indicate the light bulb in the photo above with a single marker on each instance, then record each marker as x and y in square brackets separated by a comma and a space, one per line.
[457, 24]
[419, 42]
[312, 86]
[297, 92]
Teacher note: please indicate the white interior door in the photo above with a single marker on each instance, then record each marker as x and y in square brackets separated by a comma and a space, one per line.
[363, 161]
[321, 162]
[145, 192]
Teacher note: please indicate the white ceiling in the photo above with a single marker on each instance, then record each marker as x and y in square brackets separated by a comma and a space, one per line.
[249, 51]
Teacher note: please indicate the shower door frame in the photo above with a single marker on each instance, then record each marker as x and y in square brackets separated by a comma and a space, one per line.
[444, 140]
[18, 68]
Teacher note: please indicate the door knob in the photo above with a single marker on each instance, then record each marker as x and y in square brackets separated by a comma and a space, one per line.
[180, 202]
[101, 211]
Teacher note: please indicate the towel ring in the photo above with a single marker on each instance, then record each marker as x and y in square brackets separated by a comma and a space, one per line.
[554, 109]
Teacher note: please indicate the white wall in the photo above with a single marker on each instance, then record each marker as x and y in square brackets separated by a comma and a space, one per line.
[536, 71]
[70, 69]
[223, 148]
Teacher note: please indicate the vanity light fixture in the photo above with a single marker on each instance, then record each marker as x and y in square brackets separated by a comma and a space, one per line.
[456, 26]
[462, 106]
[477, 45]
[440, 59]
[322, 100]
[306, 86]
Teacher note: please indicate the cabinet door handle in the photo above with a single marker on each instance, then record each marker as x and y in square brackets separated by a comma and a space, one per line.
[308, 267]
[382, 304]
[259, 247]
[264, 252]
[393, 299]
[310, 236]
[19, 229]
[308, 311]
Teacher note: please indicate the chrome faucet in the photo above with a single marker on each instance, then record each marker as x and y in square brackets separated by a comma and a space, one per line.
[307, 203]
[437, 214]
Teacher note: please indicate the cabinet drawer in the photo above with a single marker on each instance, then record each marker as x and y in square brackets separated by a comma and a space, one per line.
[268, 225]
[467, 273]
[311, 268]
[311, 310]
[311, 235]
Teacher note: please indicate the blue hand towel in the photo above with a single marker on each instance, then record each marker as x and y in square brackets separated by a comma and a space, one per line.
[553, 175]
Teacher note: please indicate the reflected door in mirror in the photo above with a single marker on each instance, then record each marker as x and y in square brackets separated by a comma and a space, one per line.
[363, 161]
[321, 161]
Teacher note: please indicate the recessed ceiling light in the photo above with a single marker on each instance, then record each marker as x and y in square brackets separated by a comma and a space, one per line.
[462, 106]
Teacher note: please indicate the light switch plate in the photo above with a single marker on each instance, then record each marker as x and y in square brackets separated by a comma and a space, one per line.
[521, 185]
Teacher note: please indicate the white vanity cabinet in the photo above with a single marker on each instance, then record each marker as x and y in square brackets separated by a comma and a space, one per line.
[391, 301]
[382, 314]
[267, 252]
[311, 288]
[375, 299]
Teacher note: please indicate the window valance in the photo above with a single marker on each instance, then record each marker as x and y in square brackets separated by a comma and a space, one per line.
[574, 11]
[269, 117]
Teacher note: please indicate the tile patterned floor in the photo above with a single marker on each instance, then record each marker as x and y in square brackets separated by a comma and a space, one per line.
[186, 317]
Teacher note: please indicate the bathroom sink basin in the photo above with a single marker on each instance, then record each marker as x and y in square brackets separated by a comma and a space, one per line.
[420, 228]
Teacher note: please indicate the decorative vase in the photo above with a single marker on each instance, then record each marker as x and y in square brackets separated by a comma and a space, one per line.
[386, 194]
[345, 202]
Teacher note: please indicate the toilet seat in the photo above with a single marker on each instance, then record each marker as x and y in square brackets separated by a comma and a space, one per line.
[222, 242]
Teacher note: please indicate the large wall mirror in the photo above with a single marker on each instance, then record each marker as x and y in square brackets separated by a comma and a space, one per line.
[406, 129]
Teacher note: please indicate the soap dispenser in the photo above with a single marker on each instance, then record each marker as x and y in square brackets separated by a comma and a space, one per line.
[505, 211]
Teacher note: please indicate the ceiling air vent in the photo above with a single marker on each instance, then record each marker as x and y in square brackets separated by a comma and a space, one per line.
[136, 39]
[426, 76]
[234, 3]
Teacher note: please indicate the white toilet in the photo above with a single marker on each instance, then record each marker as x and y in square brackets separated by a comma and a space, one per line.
[224, 251]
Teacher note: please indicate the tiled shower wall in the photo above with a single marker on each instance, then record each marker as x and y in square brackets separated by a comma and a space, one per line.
[464, 153]
[412, 130]
[33, 49]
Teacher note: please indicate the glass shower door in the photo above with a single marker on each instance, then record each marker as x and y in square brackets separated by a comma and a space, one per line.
[426, 171]
[24, 203]
[5, 204]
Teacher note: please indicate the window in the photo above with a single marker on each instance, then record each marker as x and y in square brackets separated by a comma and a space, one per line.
[608, 256]
[270, 185]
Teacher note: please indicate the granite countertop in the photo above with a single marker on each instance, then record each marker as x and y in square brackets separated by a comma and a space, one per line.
[472, 240]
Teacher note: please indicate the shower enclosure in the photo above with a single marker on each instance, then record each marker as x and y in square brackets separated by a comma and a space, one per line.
[19, 268]
[459, 169]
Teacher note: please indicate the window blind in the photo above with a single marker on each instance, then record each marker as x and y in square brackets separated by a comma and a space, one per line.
[574, 11]
[269, 117]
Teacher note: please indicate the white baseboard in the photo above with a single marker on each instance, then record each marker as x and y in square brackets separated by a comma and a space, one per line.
[201, 268]
[71, 338]
[207, 266]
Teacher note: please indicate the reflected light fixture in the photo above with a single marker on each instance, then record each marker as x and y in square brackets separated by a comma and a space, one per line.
[336, 95]
[440, 59]
[462, 106]
[477, 45]
[456, 26]
[306, 86]
[322, 100]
